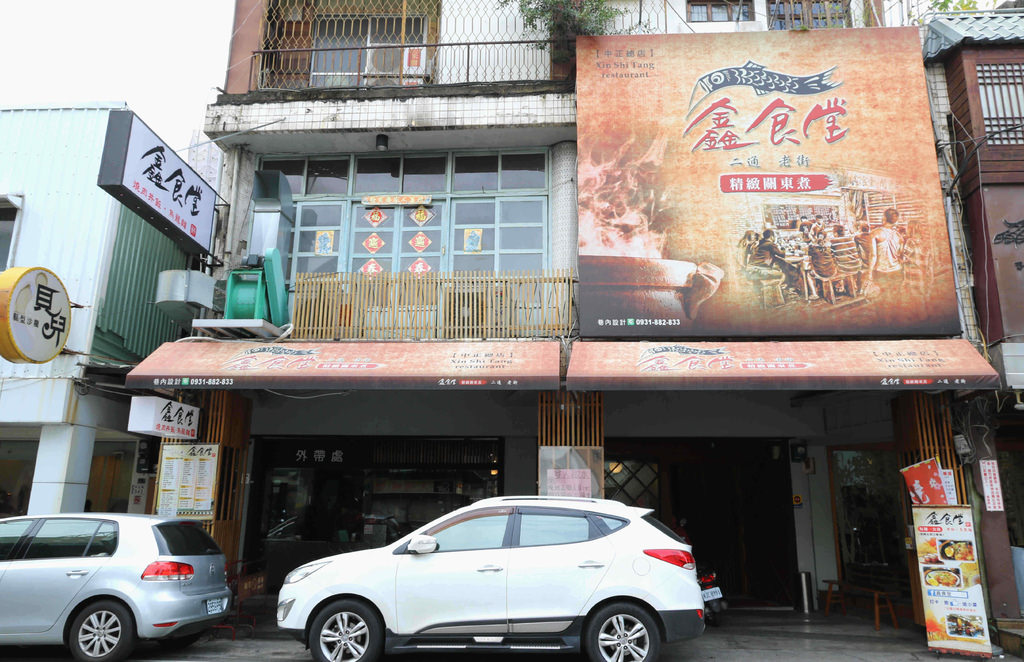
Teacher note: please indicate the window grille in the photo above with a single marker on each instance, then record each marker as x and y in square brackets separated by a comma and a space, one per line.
[1001, 88]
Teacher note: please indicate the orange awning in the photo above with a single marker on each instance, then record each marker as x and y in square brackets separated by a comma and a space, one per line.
[814, 365]
[350, 365]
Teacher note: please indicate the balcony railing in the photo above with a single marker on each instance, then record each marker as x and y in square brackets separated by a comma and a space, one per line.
[310, 44]
[405, 66]
[453, 305]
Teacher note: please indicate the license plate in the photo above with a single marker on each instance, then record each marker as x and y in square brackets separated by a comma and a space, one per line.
[711, 594]
[214, 606]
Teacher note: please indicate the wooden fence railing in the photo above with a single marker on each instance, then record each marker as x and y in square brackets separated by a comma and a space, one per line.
[405, 306]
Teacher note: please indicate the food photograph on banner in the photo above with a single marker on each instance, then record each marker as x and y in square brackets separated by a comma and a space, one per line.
[751, 184]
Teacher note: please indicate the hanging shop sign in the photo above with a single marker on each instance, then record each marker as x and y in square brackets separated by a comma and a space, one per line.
[163, 418]
[35, 313]
[753, 184]
[947, 561]
[145, 175]
[187, 480]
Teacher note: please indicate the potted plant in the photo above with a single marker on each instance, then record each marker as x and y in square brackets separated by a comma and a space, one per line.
[563, 21]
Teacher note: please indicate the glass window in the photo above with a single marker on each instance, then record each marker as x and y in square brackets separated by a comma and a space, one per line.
[476, 173]
[318, 265]
[104, 543]
[745, 12]
[292, 169]
[719, 12]
[7, 217]
[536, 529]
[321, 215]
[698, 13]
[522, 211]
[184, 539]
[520, 262]
[378, 174]
[326, 177]
[481, 530]
[522, 171]
[10, 533]
[62, 538]
[613, 523]
[423, 175]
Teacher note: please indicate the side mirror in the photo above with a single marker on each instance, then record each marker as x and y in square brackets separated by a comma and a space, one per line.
[422, 545]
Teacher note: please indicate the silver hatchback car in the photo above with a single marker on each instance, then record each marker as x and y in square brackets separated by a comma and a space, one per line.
[99, 582]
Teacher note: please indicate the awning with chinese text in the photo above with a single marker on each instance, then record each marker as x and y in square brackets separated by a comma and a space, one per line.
[817, 365]
[350, 365]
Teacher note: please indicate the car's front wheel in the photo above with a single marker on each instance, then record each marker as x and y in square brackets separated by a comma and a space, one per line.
[622, 632]
[102, 632]
[345, 631]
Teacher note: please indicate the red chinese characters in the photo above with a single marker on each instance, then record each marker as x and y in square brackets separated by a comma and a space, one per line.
[721, 133]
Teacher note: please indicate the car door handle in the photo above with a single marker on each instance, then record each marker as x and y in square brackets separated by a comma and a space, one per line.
[591, 564]
[76, 573]
[490, 568]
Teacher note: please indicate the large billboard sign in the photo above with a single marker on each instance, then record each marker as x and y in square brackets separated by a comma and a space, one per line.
[747, 184]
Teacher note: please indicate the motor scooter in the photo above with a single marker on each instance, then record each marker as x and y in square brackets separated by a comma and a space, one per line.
[714, 602]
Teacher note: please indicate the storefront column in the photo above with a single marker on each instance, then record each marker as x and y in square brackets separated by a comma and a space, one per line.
[995, 545]
[564, 220]
[63, 463]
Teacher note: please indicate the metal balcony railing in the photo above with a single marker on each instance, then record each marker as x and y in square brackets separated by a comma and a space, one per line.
[310, 44]
[405, 66]
[452, 305]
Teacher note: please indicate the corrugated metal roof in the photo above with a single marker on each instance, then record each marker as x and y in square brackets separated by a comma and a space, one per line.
[996, 28]
[50, 157]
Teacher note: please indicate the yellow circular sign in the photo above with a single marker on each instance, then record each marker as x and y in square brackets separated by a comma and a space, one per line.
[35, 314]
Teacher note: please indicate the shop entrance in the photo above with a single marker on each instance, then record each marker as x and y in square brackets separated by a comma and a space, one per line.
[317, 496]
[736, 496]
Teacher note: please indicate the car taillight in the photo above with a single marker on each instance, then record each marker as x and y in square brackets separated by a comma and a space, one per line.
[167, 571]
[678, 557]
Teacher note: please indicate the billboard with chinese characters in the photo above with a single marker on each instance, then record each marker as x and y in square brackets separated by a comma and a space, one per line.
[747, 184]
[145, 175]
[947, 561]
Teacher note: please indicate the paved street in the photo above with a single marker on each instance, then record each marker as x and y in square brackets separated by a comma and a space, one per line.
[745, 635]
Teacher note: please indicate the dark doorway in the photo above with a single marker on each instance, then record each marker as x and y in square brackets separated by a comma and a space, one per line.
[736, 496]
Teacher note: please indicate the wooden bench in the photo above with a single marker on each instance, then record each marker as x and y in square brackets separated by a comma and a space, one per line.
[838, 590]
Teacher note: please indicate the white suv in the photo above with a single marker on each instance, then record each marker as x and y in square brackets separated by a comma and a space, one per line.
[507, 573]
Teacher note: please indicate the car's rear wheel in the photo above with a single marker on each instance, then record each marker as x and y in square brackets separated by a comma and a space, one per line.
[622, 632]
[346, 631]
[102, 632]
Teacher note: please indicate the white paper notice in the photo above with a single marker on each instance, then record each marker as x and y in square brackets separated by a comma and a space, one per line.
[569, 483]
[949, 485]
[991, 486]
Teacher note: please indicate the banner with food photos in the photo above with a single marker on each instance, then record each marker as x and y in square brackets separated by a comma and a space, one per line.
[948, 569]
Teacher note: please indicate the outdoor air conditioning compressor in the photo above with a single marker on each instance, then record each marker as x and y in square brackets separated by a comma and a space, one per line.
[183, 294]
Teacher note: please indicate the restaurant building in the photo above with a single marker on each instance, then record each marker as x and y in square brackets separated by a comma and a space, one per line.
[502, 281]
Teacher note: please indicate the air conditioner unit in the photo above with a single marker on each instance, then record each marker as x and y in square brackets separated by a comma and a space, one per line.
[383, 61]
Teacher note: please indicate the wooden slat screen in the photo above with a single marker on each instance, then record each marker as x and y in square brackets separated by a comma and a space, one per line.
[924, 430]
[225, 421]
[443, 305]
[570, 418]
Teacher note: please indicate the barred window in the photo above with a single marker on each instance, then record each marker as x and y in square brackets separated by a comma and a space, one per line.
[1001, 87]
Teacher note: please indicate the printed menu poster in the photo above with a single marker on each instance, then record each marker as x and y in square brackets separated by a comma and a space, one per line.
[187, 477]
[569, 483]
[947, 561]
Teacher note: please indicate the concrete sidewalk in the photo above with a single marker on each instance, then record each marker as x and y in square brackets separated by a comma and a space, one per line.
[743, 635]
